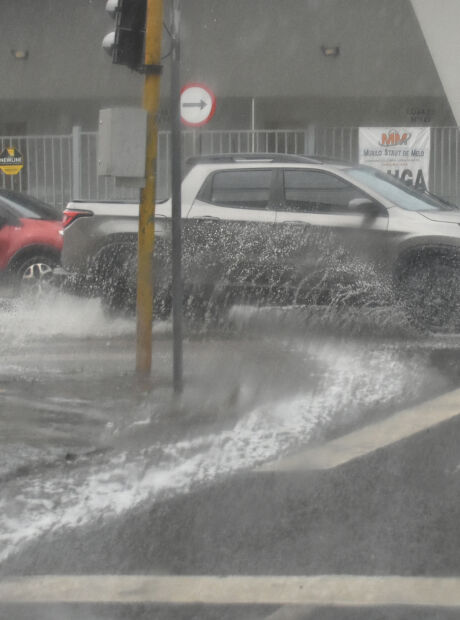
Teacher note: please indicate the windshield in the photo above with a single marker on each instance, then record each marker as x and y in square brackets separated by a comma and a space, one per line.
[399, 193]
[29, 207]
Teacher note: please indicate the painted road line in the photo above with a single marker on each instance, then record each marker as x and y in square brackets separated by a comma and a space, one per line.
[321, 590]
[292, 612]
[72, 356]
[373, 437]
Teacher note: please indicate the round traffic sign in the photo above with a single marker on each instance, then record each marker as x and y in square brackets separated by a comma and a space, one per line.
[197, 104]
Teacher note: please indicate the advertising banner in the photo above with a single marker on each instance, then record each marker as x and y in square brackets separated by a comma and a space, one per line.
[403, 152]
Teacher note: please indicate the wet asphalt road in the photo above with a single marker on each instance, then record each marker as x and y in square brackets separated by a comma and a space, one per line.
[101, 473]
[395, 512]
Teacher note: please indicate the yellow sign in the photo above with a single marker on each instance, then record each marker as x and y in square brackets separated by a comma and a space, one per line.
[11, 161]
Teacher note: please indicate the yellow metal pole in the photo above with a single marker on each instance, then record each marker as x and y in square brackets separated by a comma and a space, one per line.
[146, 239]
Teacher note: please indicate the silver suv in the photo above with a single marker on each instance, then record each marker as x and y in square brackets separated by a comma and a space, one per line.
[293, 229]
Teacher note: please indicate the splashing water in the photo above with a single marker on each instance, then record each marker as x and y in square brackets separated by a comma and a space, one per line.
[344, 381]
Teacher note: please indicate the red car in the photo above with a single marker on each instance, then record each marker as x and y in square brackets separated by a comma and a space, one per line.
[30, 238]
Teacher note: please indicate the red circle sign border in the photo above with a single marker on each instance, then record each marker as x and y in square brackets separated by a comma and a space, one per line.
[213, 104]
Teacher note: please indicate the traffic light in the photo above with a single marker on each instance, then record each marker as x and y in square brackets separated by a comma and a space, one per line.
[126, 43]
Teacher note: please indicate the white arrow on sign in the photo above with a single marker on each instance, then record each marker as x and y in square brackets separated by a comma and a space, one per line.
[197, 104]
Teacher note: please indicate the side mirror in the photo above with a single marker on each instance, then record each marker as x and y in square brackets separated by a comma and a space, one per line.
[366, 206]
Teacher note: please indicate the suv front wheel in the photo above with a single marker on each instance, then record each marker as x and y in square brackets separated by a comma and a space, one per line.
[431, 293]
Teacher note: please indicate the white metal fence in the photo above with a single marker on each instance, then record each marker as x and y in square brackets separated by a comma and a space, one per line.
[47, 171]
[58, 168]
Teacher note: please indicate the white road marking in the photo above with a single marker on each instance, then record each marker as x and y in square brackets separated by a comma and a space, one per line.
[73, 356]
[321, 590]
[373, 437]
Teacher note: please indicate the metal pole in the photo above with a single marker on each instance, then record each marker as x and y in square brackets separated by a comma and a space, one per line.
[153, 32]
[76, 162]
[176, 165]
[253, 123]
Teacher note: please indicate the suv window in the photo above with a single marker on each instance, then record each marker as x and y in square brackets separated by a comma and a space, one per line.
[317, 192]
[241, 188]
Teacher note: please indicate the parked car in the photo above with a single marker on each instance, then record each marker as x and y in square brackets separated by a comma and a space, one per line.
[30, 239]
[284, 228]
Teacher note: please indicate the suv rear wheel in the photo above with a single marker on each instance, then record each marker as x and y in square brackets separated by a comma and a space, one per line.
[115, 276]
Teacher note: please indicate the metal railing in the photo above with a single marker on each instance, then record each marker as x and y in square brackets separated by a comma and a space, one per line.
[58, 168]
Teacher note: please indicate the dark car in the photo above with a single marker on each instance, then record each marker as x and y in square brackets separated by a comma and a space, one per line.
[30, 239]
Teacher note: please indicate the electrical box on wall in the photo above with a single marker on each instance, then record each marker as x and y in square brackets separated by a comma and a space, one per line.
[121, 145]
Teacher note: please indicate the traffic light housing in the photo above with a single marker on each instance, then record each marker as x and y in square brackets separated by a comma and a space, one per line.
[126, 43]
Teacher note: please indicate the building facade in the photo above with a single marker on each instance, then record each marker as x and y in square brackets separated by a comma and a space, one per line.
[272, 64]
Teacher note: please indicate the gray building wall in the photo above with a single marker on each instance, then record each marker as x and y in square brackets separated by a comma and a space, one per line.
[439, 24]
[269, 50]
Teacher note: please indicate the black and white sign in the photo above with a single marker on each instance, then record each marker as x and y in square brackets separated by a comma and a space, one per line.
[402, 151]
[197, 104]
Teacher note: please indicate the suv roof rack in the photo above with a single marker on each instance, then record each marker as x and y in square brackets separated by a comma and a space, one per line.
[256, 157]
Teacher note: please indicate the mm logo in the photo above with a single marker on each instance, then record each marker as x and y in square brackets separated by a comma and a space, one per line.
[394, 138]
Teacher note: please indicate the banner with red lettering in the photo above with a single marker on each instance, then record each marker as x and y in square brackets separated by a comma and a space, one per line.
[403, 152]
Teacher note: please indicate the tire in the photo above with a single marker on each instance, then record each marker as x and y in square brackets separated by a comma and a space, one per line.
[115, 279]
[116, 282]
[431, 294]
[32, 275]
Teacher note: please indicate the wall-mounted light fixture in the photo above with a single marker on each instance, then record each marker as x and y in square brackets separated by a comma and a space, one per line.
[20, 54]
[330, 50]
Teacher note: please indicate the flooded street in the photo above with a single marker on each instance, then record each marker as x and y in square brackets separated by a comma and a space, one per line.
[83, 441]
[230, 310]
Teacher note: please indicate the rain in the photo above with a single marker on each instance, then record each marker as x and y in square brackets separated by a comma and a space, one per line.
[272, 433]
